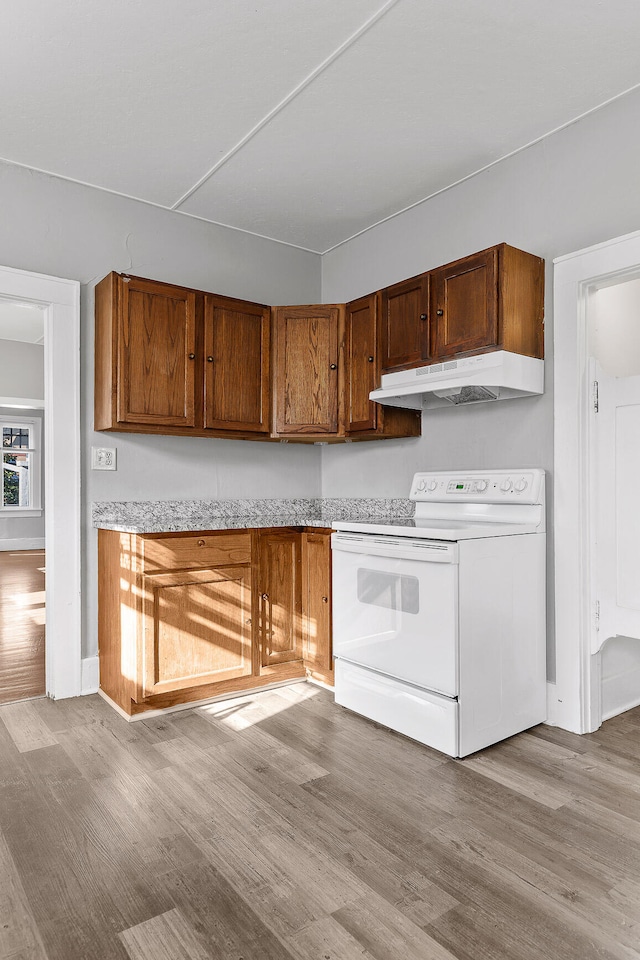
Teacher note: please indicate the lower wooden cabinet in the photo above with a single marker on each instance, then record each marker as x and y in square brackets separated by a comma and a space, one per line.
[185, 617]
[316, 604]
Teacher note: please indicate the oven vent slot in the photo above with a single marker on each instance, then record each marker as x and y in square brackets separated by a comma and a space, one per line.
[428, 545]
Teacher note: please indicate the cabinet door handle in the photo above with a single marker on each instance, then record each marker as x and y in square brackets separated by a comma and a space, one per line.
[370, 359]
[423, 316]
[439, 313]
[325, 599]
[265, 596]
[333, 366]
[209, 359]
[202, 543]
[192, 356]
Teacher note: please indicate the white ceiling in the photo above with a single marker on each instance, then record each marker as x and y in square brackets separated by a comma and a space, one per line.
[304, 121]
[21, 321]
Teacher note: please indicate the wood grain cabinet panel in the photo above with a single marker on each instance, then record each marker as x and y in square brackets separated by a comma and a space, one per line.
[180, 362]
[201, 550]
[317, 650]
[196, 628]
[307, 356]
[156, 350]
[236, 367]
[489, 301]
[279, 597]
[365, 418]
[362, 363]
[405, 323]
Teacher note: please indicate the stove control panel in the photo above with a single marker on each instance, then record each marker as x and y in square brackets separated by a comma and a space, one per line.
[494, 486]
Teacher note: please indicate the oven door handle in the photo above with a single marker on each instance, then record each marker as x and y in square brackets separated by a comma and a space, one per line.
[400, 548]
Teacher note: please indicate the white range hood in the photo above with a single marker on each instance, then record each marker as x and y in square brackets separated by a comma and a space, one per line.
[499, 375]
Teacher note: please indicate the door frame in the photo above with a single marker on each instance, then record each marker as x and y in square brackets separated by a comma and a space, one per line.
[575, 700]
[62, 464]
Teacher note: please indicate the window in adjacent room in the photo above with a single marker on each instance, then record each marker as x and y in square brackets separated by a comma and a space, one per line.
[20, 465]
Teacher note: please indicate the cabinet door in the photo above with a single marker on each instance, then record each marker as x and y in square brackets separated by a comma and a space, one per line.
[196, 628]
[464, 305]
[279, 597]
[316, 603]
[362, 369]
[405, 323]
[306, 370]
[156, 354]
[236, 368]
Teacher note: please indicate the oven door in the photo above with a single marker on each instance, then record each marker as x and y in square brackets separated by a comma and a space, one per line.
[395, 608]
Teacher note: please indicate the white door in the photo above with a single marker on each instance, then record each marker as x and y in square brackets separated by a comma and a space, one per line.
[617, 504]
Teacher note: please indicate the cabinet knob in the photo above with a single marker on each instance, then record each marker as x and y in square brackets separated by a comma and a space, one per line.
[192, 356]
[325, 599]
[370, 359]
[439, 313]
[423, 316]
[248, 621]
[333, 366]
[202, 543]
[265, 596]
[209, 359]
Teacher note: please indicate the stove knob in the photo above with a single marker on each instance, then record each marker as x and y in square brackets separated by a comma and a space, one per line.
[432, 485]
[506, 485]
[481, 486]
[521, 485]
[421, 485]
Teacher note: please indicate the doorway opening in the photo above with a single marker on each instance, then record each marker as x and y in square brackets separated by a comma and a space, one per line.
[41, 438]
[596, 444]
[22, 525]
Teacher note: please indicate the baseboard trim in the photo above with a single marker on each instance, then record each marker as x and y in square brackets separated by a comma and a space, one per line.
[31, 543]
[148, 714]
[90, 675]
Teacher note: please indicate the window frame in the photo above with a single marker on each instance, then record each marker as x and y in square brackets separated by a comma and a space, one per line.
[34, 424]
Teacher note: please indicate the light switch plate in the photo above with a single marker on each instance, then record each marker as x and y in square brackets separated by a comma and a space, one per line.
[103, 458]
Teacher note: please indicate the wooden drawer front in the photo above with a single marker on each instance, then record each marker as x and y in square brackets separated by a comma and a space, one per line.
[196, 628]
[208, 550]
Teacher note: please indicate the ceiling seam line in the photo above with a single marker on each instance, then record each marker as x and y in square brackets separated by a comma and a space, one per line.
[316, 72]
[153, 203]
[487, 166]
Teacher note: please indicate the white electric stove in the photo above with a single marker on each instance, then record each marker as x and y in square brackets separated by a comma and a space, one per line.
[439, 621]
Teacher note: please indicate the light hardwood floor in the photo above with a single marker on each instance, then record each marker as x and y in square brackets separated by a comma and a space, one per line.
[22, 625]
[280, 826]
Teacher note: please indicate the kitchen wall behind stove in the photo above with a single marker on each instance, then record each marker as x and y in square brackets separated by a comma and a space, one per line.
[572, 189]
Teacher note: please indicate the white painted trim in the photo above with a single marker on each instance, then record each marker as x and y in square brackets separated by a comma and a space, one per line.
[576, 703]
[22, 403]
[178, 707]
[90, 675]
[27, 543]
[61, 299]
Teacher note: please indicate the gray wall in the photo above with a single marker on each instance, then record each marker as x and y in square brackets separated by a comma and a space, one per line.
[21, 370]
[54, 227]
[577, 187]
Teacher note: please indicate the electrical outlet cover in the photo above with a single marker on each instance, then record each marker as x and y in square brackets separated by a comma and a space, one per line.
[103, 458]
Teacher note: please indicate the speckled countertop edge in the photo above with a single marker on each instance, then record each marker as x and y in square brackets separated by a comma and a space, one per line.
[152, 516]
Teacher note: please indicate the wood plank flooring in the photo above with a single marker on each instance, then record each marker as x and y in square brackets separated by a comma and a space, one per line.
[22, 626]
[281, 827]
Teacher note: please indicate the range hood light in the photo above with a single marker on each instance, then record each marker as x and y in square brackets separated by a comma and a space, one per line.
[474, 394]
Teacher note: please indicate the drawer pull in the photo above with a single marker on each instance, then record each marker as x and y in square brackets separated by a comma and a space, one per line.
[265, 596]
[202, 543]
[325, 599]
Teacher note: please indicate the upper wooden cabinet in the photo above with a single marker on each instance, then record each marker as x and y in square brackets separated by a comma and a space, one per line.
[152, 348]
[236, 368]
[172, 360]
[307, 357]
[491, 300]
[405, 323]
[364, 417]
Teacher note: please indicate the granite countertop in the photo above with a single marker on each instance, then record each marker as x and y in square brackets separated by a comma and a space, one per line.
[168, 516]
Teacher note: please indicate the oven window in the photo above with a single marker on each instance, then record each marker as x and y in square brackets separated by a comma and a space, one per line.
[389, 590]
